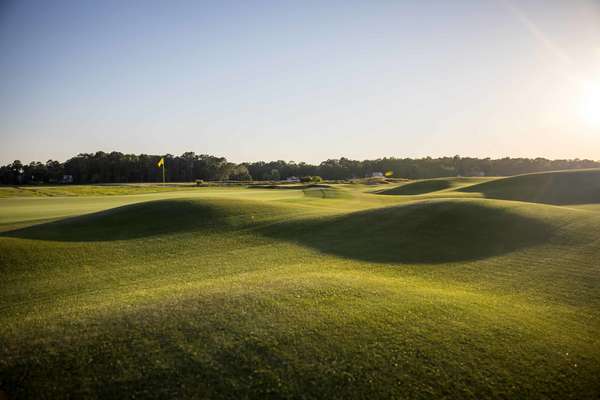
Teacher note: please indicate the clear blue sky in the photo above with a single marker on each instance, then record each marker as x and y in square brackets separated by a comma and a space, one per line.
[300, 80]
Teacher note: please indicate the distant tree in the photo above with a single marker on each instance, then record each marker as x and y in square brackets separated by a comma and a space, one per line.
[17, 170]
[272, 175]
[240, 173]
[55, 171]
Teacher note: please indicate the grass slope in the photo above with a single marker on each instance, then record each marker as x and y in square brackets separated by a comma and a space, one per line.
[561, 187]
[146, 219]
[422, 232]
[237, 293]
[84, 190]
[430, 185]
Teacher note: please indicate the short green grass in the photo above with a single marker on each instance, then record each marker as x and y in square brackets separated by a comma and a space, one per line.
[426, 186]
[86, 190]
[564, 187]
[318, 293]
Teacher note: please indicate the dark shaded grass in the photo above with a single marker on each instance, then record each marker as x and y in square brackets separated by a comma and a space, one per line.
[149, 219]
[420, 187]
[424, 232]
[560, 187]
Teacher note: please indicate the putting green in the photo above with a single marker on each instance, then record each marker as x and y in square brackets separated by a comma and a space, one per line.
[318, 293]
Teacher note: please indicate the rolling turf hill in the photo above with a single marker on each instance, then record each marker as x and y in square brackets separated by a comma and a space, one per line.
[334, 292]
[563, 187]
[430, 185]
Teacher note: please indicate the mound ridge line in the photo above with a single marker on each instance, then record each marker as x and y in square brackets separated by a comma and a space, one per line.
[458, 229]
[557, 188]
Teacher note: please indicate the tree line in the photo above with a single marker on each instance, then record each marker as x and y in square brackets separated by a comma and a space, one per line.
[116, 167]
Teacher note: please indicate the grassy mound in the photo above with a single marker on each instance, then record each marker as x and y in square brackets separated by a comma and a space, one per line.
[560, 187]
[419, 187]
[425, 232]
[290, 186]
[151, 218]
[432, 185]
[325, 193]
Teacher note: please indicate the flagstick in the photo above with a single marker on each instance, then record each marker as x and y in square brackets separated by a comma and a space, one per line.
[163, 165]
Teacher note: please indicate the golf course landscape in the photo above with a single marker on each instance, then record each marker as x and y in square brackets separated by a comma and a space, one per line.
[457, 288]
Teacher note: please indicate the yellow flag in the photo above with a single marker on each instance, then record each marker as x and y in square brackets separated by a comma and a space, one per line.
[161, 162]
[389, 173]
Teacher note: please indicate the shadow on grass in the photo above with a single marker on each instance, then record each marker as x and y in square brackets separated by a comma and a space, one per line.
[425, 232]
[131, 222]
[559, 188]
[420, 187]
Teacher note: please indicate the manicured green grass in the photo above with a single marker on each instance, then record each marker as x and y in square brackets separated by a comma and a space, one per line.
[317, 293]
[86, 190]
[431, 185]
[564, 187]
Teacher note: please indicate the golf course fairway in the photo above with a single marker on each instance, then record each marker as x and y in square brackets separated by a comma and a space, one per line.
[455, 289]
